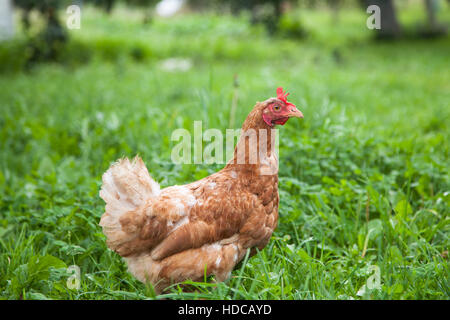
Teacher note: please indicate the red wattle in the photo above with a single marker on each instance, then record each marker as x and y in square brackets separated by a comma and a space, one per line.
[267, 119]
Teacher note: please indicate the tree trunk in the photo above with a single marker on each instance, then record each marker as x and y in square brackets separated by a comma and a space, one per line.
[109, 6]
[433, 28]
[431, 7]
[390, 28]
[335, 6]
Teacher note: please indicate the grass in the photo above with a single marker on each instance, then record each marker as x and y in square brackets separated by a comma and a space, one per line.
[364, 178]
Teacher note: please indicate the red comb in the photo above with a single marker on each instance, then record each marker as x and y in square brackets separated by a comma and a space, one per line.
[283, 96]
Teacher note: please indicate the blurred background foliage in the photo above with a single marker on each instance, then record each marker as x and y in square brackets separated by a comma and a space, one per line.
[45, 37]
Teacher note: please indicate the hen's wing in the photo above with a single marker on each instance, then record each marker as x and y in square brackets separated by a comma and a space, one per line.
[217, 208]
[221, 210]
[172, 234]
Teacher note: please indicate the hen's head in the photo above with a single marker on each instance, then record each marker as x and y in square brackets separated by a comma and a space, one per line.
[278, 110]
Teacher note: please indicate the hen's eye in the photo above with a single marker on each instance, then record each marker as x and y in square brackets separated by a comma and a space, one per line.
[276, 107]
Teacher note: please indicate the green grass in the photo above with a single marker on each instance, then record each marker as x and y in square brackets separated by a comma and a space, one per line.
[364, 178]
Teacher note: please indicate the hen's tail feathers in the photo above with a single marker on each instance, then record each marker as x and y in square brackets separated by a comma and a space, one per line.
[126, 186]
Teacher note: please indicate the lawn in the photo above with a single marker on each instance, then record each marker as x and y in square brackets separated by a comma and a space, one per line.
[364, 177]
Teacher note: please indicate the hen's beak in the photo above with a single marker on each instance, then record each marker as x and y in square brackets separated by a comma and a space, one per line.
[294, 112]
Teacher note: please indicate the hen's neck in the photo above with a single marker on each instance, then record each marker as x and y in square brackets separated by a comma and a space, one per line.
[256, 142]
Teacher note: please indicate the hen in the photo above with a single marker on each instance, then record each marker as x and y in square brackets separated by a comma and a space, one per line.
[181, 232]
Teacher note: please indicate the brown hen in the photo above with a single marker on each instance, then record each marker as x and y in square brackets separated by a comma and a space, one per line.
[180, 232]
